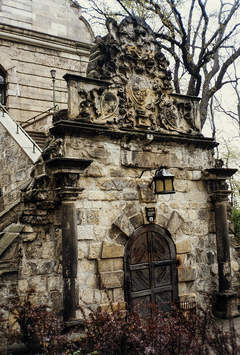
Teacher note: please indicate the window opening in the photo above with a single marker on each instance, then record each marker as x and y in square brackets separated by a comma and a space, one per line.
[2, 88]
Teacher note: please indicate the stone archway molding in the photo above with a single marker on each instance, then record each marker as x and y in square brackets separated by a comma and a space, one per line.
[172, 224]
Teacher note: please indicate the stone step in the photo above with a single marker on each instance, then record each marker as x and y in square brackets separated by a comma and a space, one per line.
[38, 137]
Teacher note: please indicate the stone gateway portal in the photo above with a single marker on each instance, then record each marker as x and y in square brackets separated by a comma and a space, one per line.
[150, 269]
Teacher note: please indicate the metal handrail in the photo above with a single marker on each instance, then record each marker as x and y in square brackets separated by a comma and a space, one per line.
[18, 126]
[41, 113]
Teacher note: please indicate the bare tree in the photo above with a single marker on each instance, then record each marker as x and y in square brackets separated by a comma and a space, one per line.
[200, 39]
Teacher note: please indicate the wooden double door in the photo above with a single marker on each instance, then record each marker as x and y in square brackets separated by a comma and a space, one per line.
[150, 269]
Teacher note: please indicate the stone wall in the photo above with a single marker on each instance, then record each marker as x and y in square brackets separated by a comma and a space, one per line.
[112, 205]
[15, 168]
[35, 38]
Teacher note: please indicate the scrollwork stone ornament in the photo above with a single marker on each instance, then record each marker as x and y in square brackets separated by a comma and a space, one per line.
[139, 94]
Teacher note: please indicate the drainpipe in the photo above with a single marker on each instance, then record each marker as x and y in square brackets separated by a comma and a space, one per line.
[226, 298]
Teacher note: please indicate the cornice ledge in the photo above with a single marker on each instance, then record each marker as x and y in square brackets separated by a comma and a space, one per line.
[39, 39]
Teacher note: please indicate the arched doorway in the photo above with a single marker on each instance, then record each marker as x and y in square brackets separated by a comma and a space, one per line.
[150, 269]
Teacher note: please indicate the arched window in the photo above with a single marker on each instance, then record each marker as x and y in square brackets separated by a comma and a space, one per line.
[2, 88]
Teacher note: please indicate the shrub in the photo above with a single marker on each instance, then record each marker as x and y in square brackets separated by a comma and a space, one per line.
[40, 328]
[119, 333]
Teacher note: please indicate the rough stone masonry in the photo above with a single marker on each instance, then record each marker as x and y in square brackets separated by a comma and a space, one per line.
[85, 227]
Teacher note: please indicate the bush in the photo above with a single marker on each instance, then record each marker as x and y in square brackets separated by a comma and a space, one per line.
[40, 328]
[120, 333]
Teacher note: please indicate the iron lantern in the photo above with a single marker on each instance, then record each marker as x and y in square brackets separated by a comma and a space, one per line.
[163, 182]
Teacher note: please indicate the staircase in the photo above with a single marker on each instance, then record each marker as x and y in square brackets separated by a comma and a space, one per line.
[38, 137]
[24, 140]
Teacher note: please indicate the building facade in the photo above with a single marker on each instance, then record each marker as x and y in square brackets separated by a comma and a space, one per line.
[92, 220]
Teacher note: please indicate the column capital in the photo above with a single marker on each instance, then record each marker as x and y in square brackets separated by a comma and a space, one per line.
[220, 195]
[66, 173]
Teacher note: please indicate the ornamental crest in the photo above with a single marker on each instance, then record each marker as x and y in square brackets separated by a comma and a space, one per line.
[128, 84]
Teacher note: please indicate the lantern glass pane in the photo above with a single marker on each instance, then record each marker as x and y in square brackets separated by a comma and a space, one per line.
[159, 186]
[168, 185]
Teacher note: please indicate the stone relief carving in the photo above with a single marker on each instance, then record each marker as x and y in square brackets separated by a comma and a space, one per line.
[139, 94]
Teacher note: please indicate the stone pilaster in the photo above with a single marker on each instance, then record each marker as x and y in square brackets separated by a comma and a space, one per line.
[226, 298]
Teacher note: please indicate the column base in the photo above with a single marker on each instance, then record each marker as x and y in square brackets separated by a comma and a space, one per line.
[226, 305]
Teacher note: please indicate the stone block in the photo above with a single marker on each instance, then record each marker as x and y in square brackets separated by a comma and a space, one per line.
[193, 214]
[82, 250]
[97, 296]
[87, 266]
[112, 279]
[38, 283]
[116, 184]
[116, 172]
[29, 237]
[182, 186]
[106, 295]
[48, 250]
[113, 196]
[54, 283]
[123, 223]
[196, 175]
[181, 259]
[146, 194]
[183, 246]
[190, 297]
[100, 232]
[174, 223]
[112, 250]
[93, 217]
[105, 265]
[91, 281]
[85, 232]
[130, 195]
[118, 294]
[95, 250]
[137, 220]
[115, 306]
[161, 220]
[96, 195]
[23, 285]
[87, 295]
[81, 217]
[95, 170]
[235, 266]
[186, 273]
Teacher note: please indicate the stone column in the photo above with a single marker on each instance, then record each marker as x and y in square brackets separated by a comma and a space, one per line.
[222, 238]
[226, 298]
[66, 174]
[69, 258]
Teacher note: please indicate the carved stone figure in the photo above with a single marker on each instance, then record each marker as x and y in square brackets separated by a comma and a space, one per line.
[139, 93]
